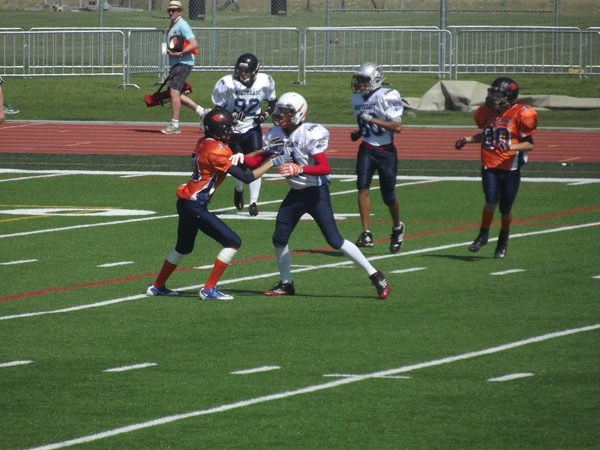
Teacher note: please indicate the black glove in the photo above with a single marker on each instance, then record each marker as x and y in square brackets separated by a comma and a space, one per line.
[239, 116]
[355, 135]
[460, 143]
[261, 118]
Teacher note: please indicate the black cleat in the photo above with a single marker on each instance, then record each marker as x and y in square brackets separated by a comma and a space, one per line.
[397, 238]
[502, 245]
[479, 242]
[281, 289]
[365, 239]
[253, 209]
[381, 284]
[238, 199]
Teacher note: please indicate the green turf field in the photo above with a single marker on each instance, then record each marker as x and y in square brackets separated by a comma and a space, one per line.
[468, 352]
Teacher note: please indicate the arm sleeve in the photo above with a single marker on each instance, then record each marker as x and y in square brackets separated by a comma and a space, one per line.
[321, 166]
[245, 176]
[253, 162]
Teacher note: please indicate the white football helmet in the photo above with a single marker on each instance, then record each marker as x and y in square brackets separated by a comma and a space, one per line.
[367, 78]
[290, 110]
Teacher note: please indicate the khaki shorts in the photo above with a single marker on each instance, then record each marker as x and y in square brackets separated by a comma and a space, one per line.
[178, 74]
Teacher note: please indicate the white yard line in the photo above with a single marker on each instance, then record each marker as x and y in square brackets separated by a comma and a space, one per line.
[255, 370]
[511, 376]
[131, 367]
[314, 388]
[297, 270]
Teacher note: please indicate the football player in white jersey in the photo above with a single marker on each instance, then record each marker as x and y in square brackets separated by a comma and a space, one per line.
[378, 111]
[307, 177]
[242, 94]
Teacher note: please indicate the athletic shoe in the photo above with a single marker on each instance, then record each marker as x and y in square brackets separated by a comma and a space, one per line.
[214, 294]
[365, 239]
[238, 199]
[171, 130]
[154, 291]
[253, 209]
[397, 238]
[381, 284]
[502, 245]
[280, 289]
[480, 241]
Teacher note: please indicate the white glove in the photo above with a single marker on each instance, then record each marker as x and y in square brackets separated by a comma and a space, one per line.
[366, 118]
[237, 158]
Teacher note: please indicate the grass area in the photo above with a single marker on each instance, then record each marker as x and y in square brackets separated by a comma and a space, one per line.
[423, 359]
[328, 96]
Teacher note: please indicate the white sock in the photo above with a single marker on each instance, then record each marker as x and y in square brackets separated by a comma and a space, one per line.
[254, 189]
[175, 123]
[354, 253]
[283, 257]
[200, 111]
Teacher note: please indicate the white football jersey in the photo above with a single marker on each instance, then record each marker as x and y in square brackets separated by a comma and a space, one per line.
[305, 141]
[232, 95]
[384, 104]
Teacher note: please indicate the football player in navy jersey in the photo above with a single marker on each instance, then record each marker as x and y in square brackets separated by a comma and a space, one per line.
[378, 111]
[242, 94]
[307, 177]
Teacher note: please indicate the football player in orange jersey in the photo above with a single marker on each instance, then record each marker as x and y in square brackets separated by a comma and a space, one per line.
[213, 160]
[506, 137]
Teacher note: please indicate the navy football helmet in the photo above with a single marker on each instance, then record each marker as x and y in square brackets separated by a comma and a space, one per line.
[502, 94]
[246, 68]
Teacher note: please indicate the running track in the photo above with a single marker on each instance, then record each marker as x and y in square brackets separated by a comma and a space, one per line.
[145, 139]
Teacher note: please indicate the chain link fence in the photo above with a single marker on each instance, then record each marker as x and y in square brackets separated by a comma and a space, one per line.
[302, 14]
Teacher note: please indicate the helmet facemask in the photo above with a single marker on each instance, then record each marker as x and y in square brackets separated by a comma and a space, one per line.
[368, 78]
[218, 124]
[246, 68]
[502, 94]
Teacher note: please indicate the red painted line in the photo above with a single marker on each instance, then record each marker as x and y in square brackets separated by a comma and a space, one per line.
[299, 252]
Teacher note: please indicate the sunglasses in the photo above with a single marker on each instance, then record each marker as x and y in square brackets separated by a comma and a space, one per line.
[172, 10]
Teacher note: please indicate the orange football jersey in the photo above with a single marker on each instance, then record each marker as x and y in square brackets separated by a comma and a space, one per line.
[511, 127]
[211, 163]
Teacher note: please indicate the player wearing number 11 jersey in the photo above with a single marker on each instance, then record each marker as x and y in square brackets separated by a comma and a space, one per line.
[378, 111]
[506, 136]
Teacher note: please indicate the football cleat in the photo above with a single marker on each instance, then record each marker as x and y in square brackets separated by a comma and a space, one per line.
[365, 239]
[238, 199]
[381, 284]
[156, 292]
[213, 294]
[502, 245]
[253, 209]
[397, 238]
[480, 241]
[280, 289]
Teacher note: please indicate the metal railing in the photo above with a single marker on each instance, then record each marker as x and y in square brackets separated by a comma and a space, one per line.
[447, 53]
[524, 50]
[396, 49]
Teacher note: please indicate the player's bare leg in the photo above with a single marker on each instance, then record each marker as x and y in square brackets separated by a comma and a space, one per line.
[173, 127]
